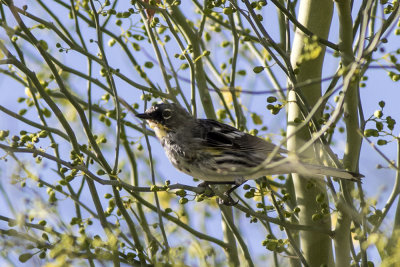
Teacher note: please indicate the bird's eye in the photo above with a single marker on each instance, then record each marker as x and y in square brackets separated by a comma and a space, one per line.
[166, 114]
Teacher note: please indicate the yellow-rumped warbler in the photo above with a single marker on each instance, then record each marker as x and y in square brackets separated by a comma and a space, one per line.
[218, 153]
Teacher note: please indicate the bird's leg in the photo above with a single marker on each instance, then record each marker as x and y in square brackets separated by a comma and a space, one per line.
[228, 200]
[206, 184]
[237, 183]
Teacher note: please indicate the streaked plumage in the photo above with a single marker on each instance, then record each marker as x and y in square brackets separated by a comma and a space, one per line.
[216, 152]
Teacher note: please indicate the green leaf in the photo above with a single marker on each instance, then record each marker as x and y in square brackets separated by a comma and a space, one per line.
[228, 11]
[371, 132]
[258, 69]
[43, 44]
[256, 119]
[378, 114]
[25, 257]
[381, 142]
[379, 126]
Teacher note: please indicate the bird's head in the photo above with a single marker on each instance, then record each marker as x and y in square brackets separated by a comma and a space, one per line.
[165, 117]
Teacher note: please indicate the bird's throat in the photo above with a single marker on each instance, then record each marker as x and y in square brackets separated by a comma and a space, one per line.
[160, 130]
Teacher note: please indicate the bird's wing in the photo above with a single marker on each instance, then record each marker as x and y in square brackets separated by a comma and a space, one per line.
[224, 137]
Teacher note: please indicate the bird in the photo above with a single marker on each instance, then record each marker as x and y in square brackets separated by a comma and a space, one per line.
[218, 153]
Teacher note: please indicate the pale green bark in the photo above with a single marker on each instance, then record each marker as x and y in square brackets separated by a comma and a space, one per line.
[342, 230]
[229, 237]
[316, 15]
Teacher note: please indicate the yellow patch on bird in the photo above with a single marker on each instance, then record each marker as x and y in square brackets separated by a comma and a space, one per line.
[213, 151]
[160, 130]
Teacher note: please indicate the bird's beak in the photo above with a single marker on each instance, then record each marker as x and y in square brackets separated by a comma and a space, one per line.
[143, 116]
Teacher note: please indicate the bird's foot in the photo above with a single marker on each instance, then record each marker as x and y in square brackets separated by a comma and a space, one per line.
[227, 200]
[208, 192]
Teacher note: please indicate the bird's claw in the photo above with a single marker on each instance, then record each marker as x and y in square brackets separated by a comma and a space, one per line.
[227, 200]
[208, 192]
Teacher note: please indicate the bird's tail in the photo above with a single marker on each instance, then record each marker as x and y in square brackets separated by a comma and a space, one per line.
[285, 166]
[311, 170]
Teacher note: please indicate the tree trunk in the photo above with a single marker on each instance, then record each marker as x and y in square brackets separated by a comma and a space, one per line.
[316, 15]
